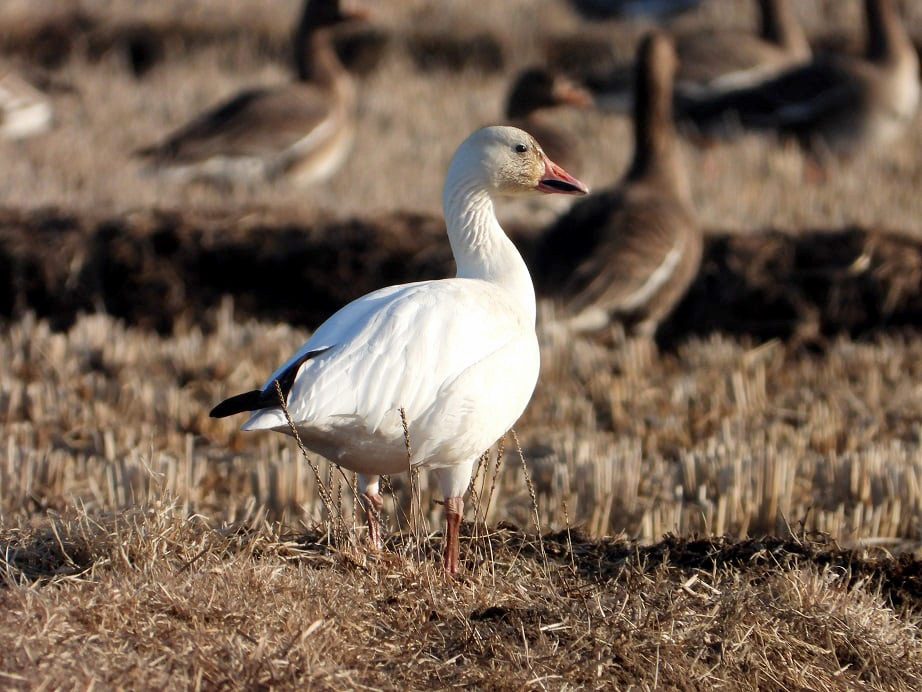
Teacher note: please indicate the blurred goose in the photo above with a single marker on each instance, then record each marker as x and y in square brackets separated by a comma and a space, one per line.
[459, 355]
[302, 131]
[631, 251]
[714, 62]
[834, 105]
[536, 90]
[24, 110]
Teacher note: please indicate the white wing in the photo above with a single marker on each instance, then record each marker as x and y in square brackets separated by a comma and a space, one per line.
[396, 347]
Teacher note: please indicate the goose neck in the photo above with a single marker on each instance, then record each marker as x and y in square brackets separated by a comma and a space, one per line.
[315, 58]
[780, 26]
[656, 152]
[887, 40]
[480, 246]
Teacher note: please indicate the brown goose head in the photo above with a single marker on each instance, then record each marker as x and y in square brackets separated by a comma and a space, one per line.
[537, 88]
[314, 56]
[322, 13]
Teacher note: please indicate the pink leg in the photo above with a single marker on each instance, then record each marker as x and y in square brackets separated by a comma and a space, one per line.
[373, 504]
[454, 509]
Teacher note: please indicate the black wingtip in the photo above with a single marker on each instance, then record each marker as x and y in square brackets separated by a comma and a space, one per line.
[248, 401]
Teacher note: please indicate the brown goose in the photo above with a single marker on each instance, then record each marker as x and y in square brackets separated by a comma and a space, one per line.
[302, 131]
[535, 90]
[631, 251]
[834, 105]
[714, 62]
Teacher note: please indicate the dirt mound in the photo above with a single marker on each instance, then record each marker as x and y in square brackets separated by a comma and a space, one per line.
[807, 286]
[156, 268]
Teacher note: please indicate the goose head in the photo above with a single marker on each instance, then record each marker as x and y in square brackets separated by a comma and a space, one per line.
[537, 88]
[509, 161]
[323, 13]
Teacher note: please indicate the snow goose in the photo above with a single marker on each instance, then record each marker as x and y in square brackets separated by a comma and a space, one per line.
[836, 104]
[535, 90]
[631, 251]
[459, 355]
[302, 131]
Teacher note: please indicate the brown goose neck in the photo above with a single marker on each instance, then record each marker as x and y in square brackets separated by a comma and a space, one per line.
[315, 58]
[887, 40]
[655, 148]
[519, 106]
[780, 26]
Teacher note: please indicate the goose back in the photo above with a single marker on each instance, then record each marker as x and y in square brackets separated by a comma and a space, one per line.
[302, 130]
[836, 105]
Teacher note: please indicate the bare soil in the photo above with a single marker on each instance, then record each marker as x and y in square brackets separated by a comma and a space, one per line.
[161, 269]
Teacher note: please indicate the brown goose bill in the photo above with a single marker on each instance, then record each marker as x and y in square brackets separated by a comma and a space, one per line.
[352, 11]
[557, 180]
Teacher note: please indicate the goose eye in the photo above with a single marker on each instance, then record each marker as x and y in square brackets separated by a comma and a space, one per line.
[521, 148]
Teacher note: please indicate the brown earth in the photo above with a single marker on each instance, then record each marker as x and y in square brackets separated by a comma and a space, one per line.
[160, 268]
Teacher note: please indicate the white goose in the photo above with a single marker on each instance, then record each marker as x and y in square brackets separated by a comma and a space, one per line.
[459, 355]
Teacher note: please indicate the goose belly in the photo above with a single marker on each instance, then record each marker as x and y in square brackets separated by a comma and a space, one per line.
[891, 122]
[219, 169]
[318, 156]
[461, 422]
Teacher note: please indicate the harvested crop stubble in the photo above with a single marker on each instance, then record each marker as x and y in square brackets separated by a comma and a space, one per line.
[718, 436]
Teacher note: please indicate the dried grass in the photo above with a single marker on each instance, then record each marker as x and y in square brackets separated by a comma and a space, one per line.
[718, 436]
[152, 599]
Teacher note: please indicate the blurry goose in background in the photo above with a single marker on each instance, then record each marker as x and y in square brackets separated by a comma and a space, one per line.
[24, 110]
[460, 355]
[535, 90]
[302, 131]
[630, 251]
[834, 105]
[714, 62]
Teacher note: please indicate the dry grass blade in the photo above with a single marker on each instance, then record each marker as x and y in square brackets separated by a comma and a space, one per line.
[325, 496]
[416, 499]
[531, 493]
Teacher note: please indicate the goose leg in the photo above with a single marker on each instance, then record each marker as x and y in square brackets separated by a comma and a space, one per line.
[453, 482]
[371, 498]
[454, 510]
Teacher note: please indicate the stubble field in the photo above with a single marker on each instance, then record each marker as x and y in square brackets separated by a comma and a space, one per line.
[742, 507]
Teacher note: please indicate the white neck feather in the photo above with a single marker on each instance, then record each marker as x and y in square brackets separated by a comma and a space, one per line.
[480, 246]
